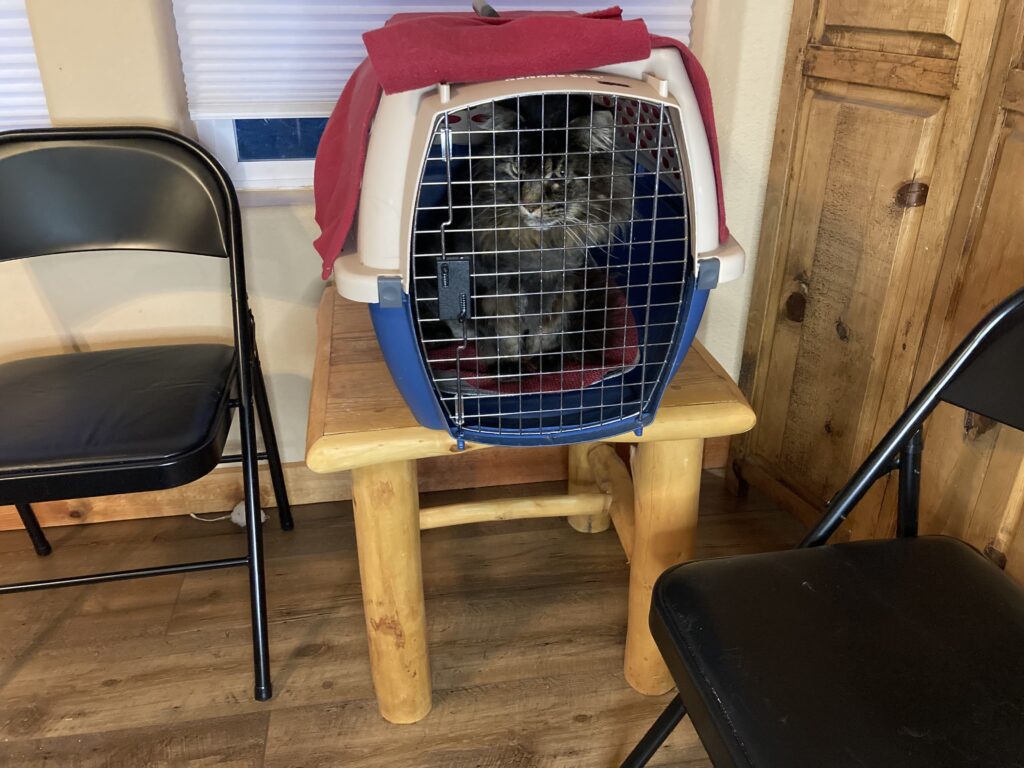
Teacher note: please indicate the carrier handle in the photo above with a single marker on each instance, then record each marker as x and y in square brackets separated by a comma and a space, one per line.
[722, 265]
[483, 8]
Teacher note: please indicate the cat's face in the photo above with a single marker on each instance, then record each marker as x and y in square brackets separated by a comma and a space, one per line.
[553, 171]
[547, 181]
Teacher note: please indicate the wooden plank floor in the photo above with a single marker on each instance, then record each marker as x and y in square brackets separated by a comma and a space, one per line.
[526, 622]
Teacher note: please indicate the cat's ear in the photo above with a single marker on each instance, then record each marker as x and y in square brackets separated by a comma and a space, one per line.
[598, 130]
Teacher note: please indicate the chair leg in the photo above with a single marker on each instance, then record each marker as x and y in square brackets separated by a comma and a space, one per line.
[254, 536]
[28, 519]
[655, 737]
[284, 510]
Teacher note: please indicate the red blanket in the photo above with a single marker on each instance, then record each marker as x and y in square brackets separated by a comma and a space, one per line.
[416, 50]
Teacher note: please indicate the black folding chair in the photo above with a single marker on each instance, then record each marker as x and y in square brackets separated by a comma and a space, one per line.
[902, 653]
[141, 418]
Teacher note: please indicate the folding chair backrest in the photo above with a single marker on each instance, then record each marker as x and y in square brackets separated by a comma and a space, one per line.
[64, 190]
[992, 382]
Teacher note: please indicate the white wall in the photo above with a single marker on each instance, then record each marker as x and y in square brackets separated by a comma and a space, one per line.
[742, 44]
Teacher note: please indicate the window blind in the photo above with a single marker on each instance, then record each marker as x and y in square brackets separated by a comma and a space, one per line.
[291, 58]
[22, 103]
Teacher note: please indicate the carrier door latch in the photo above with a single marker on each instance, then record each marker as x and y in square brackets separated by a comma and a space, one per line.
[708, 272]
[389, 291]
[453, 289]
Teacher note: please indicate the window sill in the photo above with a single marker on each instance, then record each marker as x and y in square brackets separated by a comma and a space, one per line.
[267, 198]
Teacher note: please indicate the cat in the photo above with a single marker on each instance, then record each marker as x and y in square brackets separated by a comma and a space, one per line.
[523, 317]
[543, 187]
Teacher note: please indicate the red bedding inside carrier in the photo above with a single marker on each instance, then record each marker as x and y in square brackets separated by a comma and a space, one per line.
[620, 354]
[418, 50]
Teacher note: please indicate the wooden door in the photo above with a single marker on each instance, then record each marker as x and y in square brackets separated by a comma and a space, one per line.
[973, 470]
[877, 111]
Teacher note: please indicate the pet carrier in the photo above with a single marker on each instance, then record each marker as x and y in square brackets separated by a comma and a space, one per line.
[537, 252]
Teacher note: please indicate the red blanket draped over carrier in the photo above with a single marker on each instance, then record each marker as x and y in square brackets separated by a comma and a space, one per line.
[418, 50]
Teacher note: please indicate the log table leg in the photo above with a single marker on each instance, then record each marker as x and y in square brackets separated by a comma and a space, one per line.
[386, 504]
[666, 481]
[581, 480]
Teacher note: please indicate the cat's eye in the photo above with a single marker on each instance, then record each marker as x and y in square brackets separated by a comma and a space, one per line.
[555, 170]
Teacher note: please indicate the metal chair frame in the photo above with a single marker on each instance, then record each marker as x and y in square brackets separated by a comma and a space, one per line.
[247, 394]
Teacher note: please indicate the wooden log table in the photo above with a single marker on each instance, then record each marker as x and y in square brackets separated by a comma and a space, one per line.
[359, 422]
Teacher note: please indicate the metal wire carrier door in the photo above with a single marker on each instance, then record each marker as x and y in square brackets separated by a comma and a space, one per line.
[551, 264]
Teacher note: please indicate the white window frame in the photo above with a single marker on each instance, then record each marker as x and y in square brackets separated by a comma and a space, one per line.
[219, 137]
[218, 106]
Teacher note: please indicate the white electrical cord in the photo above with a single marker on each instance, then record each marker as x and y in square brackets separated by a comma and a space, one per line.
[201, 519]
[236, 515]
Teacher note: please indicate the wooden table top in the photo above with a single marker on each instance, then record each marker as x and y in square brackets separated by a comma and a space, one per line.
[358, 418]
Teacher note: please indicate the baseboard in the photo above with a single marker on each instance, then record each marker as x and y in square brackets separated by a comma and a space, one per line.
[807, 514]
[220, 490]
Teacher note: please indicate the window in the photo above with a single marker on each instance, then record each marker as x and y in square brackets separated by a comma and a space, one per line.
[289, 138]
[261, 78]
[265, 153]
[22, 103]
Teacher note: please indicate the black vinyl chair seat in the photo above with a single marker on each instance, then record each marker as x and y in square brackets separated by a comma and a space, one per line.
[846, 655]
[160, 408]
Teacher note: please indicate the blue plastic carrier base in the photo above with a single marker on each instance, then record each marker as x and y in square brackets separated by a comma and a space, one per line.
[396, 332]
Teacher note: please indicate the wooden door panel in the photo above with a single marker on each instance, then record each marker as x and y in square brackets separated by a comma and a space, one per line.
[969, 470]
[847, 240]
[930, 17]
[1011, 533]
[876, 93]
[974, 468]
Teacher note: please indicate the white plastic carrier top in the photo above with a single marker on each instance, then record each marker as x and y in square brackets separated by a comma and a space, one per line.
[401, 135]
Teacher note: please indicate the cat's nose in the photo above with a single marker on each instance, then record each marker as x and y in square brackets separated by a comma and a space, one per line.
[531, 214]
